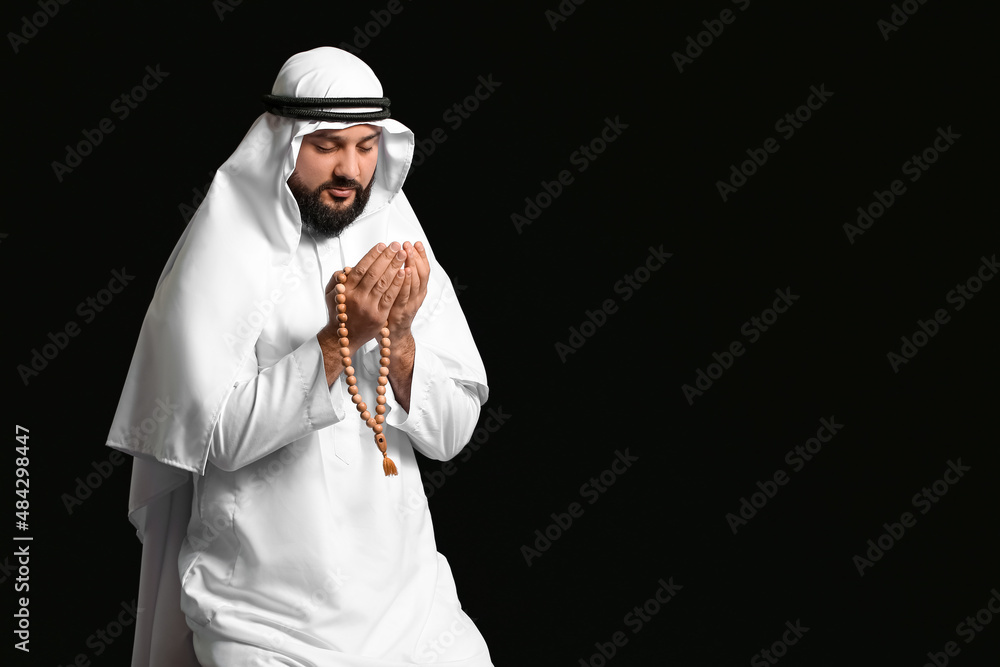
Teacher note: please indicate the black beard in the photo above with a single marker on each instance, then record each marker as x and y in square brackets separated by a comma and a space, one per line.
[318, 217]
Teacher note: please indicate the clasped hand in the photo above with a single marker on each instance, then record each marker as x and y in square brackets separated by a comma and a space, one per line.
[388, 284]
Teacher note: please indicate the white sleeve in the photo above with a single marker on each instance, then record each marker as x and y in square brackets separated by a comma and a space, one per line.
[275, 407]
[443, 410]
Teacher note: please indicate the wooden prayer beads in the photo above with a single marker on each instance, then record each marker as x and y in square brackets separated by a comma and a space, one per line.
[373, 422]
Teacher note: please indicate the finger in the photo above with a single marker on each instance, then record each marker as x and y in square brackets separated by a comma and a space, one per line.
[403, 297]
[412, 258]
[377, 270]
[333, 281]
[392, 260]
[364, 264]
[388, 299]
[410, 253]
[424, 265]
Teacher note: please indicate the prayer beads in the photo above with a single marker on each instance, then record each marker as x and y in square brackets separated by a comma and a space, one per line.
[373, 422]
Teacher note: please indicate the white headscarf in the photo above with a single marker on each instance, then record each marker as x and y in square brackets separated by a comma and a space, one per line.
[211, 303]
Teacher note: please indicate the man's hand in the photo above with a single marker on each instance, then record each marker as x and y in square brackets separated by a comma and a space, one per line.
[412, 292]
[370, 290]
[401, 315]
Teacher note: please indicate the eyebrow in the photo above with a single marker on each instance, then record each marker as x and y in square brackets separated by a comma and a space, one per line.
[339, 140]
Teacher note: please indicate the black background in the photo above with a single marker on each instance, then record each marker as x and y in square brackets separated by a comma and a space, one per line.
[523, 289]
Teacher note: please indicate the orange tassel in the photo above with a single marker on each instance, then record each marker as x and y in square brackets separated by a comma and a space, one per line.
[388, 466]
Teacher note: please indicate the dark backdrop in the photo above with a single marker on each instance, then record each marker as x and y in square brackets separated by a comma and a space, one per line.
[714, 512]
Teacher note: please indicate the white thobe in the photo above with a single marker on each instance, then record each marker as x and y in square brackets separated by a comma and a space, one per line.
[300, 551]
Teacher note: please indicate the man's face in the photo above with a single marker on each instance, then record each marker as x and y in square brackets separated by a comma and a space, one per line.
[333, 177]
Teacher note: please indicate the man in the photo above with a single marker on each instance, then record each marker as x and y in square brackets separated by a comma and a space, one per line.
[271, 534]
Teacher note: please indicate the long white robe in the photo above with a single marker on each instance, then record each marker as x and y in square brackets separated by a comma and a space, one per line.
[308, 549]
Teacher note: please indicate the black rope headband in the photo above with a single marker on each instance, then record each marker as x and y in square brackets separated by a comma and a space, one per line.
[309, 108]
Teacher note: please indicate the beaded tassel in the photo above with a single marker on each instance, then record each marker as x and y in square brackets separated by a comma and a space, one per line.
[373, 422]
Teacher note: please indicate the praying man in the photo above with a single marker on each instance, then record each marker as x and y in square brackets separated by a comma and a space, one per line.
[278, 527]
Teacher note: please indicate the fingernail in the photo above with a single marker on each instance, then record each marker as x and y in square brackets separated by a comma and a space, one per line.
[381, 247]
[401, 255]
[394, 246]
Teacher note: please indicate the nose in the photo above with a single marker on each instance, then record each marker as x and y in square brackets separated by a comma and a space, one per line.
[348, 166]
